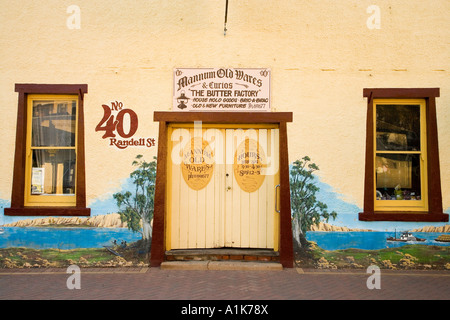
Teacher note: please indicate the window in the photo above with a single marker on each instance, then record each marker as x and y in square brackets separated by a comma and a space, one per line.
[402, 179]
[49, 175]
[51, 150]
[400, 155]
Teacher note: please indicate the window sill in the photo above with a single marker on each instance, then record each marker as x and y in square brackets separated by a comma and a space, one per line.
[403, 216]
[47, 211]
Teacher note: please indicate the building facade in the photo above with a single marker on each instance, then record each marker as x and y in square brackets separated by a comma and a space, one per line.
[361, 88]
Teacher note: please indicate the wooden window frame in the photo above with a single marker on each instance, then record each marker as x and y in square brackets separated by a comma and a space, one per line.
[46, 200]
[405, 205]
[435, 210]
[18, 207]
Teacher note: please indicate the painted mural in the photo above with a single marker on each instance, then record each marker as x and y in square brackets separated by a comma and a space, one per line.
[329, 235]
[326, 230]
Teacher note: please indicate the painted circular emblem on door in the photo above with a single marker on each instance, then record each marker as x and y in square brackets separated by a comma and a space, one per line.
[249, 160]
[198, 163]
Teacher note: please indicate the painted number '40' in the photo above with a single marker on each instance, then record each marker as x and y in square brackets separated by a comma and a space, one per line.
[109, 125]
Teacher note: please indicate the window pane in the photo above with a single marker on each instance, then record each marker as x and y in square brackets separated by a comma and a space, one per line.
[398, 177]
[53, 172]
[398, 127]
[53, 123]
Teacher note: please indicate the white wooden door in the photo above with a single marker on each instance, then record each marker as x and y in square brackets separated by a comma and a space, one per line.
[222, 188]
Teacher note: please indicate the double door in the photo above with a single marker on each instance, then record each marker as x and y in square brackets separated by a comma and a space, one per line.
[222, 186]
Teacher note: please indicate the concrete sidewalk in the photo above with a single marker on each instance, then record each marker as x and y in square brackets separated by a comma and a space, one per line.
[225, 284]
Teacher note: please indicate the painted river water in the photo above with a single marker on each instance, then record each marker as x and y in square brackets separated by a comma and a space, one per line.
[71, 238]
[64, 238]
[368, 240]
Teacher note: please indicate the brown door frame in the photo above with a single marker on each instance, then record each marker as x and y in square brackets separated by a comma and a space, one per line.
[164, 118]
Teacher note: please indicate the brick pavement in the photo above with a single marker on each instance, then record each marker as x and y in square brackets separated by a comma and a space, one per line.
[159, 284]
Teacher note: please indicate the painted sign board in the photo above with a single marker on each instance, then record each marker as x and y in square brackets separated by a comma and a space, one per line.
[198, 163]
[221, 89]
[37, 180]
[249, 160]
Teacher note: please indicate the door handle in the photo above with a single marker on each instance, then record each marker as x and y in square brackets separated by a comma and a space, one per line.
[276, 198]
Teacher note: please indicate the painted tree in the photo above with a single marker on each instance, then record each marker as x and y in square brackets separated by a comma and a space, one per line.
[306, 209]
[136, 208]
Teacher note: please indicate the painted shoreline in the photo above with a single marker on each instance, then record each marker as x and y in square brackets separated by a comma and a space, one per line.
[328, 227]
[112, 220]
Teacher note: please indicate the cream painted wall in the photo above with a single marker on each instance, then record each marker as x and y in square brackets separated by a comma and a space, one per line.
[321, 53]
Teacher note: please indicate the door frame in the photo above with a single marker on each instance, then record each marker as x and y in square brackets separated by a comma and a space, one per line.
[165, 118]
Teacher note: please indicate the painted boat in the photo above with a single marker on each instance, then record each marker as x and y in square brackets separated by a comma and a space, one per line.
[443, 238]
[112, 251]
[405, 237]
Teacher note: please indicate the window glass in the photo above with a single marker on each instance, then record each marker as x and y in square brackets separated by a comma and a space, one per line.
[398, 177]
[53, 123]
[398, 127]
[53, 172]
